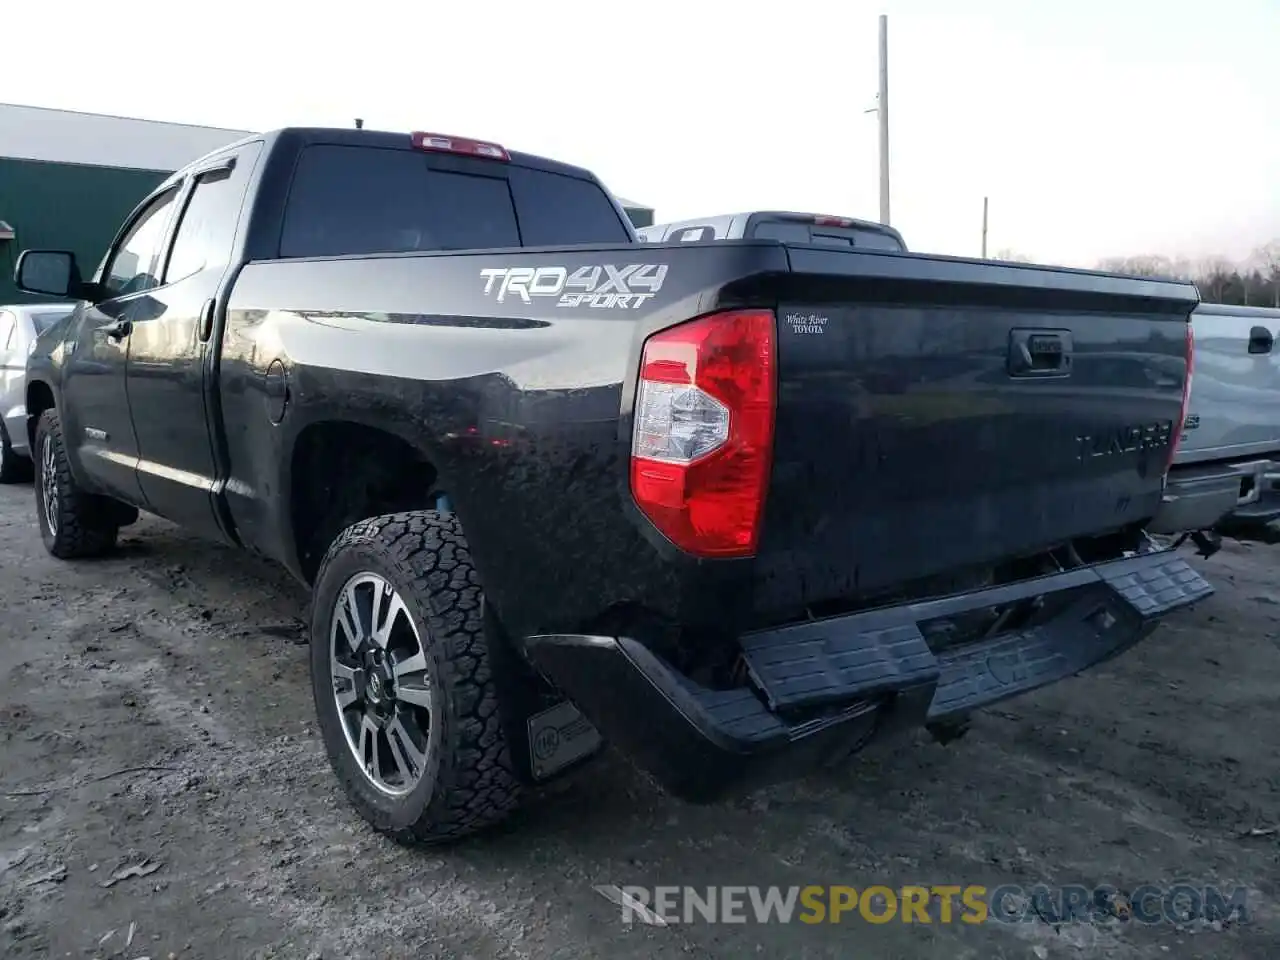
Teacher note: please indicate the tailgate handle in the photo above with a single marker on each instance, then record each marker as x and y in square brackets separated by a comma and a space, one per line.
[1039, 353]
[1260, 340]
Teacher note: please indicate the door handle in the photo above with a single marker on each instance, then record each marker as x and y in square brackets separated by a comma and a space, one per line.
[205, 329]
[119, 330]
[1035, 352]
[1261, 340]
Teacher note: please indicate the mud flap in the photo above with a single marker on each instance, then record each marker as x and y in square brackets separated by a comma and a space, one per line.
[546, 734]
[559, 737]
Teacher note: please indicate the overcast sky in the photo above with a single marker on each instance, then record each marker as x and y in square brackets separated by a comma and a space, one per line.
[1097, 128]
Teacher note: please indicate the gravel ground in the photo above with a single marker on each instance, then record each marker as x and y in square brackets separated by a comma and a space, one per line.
[155, 714]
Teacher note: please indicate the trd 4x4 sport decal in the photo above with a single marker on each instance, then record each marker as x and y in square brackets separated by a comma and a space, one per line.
[605, 286]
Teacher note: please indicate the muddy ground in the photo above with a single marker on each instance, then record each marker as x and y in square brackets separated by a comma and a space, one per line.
[155, 713]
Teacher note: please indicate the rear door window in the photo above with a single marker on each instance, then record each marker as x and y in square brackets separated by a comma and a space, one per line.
[207, 229]
[348, 200]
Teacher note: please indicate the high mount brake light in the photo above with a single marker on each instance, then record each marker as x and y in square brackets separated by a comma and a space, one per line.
[443, 143]
[1181, 426]
[702, 445]
[823, 221]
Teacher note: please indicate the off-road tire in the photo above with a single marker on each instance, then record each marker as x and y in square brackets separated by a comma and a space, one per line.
[86, 524]
[14, 468]
[469, 783]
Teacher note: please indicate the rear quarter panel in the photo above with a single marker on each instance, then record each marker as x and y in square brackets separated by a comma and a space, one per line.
[521, 405]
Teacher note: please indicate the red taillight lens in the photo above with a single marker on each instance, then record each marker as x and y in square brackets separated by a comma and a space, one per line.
[1181, 425]
[703, 439]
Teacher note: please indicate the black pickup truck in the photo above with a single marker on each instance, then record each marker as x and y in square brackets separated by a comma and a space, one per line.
[734, 506]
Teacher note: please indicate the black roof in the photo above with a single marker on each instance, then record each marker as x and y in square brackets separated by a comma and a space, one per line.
[349, 136]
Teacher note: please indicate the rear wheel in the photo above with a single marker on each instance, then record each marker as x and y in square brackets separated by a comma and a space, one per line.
[14, 468]
[73, 523]
[400, 670]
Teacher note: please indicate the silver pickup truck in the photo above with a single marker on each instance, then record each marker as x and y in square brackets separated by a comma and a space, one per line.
[1226, 474]
[813, 228]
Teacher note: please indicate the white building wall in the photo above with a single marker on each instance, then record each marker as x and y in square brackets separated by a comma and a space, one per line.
[63, 136]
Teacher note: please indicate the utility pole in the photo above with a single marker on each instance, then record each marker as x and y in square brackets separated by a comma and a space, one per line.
[882, 110]
[984, 228]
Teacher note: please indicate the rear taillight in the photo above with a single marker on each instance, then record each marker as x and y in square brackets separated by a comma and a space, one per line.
[703, 439]
[1181, 426]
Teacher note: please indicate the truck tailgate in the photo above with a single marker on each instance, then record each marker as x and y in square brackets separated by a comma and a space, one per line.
[936, 414]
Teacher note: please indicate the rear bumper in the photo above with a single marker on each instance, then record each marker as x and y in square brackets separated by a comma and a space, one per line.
[1200, 496]
[820, 690]
[1262, 508]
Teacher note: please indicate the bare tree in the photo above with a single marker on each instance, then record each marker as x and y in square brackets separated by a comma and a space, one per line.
[1214, 275]
[1011, 256]
[1255, 280]
[1147, 266]
[1266, 260]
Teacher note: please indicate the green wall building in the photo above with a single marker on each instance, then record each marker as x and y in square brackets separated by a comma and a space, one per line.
[66, 206]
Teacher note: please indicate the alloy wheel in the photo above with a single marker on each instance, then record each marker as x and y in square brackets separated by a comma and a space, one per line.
[49, 484]
[381, 683]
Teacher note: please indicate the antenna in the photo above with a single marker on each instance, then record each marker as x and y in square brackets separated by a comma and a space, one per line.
[984, 227]
[883, 117]
[359, 123]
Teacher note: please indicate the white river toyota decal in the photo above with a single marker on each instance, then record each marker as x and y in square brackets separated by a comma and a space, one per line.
[605, 286]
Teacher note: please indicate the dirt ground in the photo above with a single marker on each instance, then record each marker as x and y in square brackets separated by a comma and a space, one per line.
[155, 714]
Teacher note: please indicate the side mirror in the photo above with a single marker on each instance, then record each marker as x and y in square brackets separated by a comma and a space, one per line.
[49, 272]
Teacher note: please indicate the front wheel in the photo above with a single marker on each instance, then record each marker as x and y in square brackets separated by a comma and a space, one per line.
[73, 523]
[400, 670]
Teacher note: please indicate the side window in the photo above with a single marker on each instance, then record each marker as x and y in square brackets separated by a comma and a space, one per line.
[6, 329]
[133, 266]
[207, 229]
